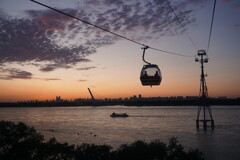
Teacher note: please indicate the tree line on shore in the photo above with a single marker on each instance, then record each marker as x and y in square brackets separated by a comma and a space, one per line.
[21, 142]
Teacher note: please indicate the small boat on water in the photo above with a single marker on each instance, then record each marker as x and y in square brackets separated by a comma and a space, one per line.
[119, 115]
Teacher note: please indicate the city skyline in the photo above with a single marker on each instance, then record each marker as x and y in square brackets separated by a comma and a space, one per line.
[44, 54]
[132, 97]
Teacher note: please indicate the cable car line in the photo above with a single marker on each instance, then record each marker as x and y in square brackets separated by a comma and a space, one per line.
[181, 24]
[213, 13]
[86, 22]
[156, 49]
[69, 15]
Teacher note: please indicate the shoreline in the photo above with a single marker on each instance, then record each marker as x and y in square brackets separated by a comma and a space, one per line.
[211, 101]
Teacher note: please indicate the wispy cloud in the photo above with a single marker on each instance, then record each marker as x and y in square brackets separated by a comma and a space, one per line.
[51, 67]
[226, 1]
[85, 68]
[82, 80]
[234, 26]
[104, 68]
[14, 73]
[48, 79]
[232, 3]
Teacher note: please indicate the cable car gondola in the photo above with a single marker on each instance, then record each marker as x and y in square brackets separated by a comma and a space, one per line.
[150, 74]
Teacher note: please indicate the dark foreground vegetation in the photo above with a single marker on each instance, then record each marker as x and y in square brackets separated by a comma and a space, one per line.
[21, 142]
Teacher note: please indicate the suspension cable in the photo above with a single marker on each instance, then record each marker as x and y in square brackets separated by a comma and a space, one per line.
[156, 49]
[209, 39]
[121, 36]
[181, 25]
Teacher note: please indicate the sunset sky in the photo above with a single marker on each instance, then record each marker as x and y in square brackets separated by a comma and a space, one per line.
[44, 54]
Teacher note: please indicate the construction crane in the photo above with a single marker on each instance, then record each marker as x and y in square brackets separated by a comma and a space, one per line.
[91, 94]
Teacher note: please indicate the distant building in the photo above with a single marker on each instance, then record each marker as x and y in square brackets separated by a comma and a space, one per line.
[222, 97]
[58, 99]
[172, 98]
[134, 97]
[179, 97]
[191, 97]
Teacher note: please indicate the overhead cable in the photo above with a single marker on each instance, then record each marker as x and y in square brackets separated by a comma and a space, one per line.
[86, 22]
[209, 39]
[156, 49]
[181, 25]
[69, 15]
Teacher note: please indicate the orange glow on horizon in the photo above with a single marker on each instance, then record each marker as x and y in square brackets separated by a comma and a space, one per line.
[31, 90]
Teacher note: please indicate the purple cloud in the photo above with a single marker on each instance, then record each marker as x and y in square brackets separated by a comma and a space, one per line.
[232, 3]
[47, 39]
[82, 80]
[48, 79]
[51, 67]
[85, 68]
[13, 73]
[52, 40]
[226, 1]
[24, 40]
[234, 26]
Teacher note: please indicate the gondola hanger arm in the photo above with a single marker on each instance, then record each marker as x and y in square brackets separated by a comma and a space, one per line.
[143, 56]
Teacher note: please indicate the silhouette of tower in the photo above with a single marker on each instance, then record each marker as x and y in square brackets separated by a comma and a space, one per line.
[203, 105]
[93, 99]
[91, 94]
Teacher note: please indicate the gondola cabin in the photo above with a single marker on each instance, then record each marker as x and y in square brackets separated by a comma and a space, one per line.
[150, 75]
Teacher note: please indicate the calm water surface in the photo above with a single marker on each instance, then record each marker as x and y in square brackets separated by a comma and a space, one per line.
[94, 125]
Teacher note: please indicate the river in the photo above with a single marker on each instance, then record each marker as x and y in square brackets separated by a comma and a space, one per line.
[76, 125]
